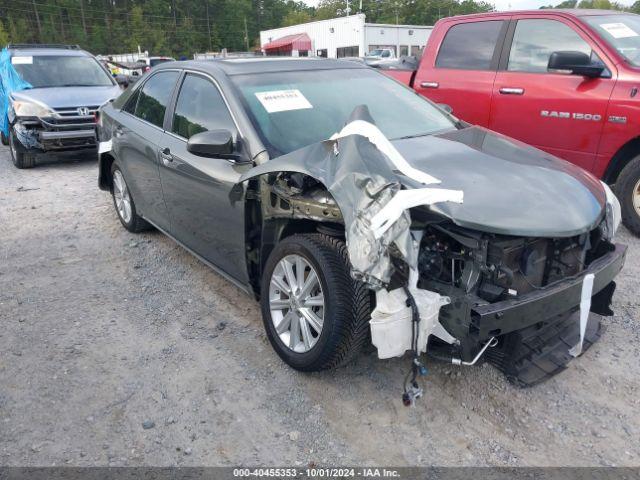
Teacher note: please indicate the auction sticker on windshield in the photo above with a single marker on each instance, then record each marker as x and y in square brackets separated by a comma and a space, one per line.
[21, 60]
[283, 100]
[619, 30]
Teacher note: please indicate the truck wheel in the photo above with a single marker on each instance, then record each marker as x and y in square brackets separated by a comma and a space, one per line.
[125, 207]
[535, 354]
[316, 316]
[628, 191]
[19, 157]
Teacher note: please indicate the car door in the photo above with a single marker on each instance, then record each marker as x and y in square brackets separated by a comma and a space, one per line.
[199, 191]
[560, 113]
[136, 140]
[460, 66]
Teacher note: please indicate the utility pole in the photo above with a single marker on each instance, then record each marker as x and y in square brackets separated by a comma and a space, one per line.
[35, 10]
[208, 25]
[84, 23]
[246, 33]
[173, 9]
[348, 8]
[64, 35]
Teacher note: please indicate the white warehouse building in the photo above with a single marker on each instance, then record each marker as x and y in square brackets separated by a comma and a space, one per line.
[343, 37]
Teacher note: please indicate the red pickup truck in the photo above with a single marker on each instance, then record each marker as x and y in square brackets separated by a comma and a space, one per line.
[565, 81]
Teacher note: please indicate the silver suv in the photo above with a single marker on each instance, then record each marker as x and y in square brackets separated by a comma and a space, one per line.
[57, 116]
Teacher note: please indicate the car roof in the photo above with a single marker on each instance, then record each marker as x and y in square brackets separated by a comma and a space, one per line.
[241, 66]
[571, 12]
[36, 51]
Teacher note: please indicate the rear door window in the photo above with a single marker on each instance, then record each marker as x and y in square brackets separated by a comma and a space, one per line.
[470, 46]
[154, 97]
[535, 40]
[200, 107]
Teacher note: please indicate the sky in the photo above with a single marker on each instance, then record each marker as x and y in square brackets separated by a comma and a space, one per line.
[533, 4]
[512, 4]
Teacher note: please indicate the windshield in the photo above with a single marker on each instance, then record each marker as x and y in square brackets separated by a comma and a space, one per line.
[291, 110]
[61, 71]
[374, 53]
[622, 32]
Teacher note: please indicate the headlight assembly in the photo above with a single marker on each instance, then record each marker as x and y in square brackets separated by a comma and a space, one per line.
[25, 108]
[613, 214]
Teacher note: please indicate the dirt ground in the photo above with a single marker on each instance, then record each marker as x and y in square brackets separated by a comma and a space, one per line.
[122, 349]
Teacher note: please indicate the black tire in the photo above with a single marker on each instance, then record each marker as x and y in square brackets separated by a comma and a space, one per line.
[530, 356]
[19, 157]
[627, 186]
[345, 328]
[3, 139]
[136, 223]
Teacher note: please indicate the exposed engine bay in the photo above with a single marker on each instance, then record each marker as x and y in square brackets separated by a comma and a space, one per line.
[496, 267]
[455, 292]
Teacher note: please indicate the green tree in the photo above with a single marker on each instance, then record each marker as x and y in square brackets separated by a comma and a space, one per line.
[4, 36]
[181, 27]
[600, 5]
[296, 17]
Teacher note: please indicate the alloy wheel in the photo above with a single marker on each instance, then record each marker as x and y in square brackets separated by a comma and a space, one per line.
[636, 197]
[121, 196]
[296, 302]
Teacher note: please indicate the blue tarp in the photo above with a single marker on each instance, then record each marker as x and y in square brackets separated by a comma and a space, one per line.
[10, 82]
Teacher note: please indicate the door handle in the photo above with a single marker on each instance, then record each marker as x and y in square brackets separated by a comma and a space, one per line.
[511, 91]
[165, 155]
[429, 84]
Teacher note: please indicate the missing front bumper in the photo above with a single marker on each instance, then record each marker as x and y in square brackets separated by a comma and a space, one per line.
[32, 136]
[540, 305]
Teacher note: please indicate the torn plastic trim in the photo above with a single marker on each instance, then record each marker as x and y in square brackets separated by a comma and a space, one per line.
[28, 138]
[392, 323]
[363, 179]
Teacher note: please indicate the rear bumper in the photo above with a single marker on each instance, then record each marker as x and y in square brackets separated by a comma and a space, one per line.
[510, 315]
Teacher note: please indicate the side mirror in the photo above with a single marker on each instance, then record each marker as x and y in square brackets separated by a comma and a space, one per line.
[578, 63]
[212, 143]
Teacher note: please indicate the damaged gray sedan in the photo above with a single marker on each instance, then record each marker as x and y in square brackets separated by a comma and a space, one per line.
[357, 212]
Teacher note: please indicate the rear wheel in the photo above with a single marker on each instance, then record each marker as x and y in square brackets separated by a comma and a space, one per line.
[125, 207]
[19, 157]
[316, 316]
[628, 192]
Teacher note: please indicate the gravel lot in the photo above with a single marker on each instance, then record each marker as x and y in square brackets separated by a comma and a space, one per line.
[123, 349]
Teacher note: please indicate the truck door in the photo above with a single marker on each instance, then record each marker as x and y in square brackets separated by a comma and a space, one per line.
[560, 113]
[459, 66]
